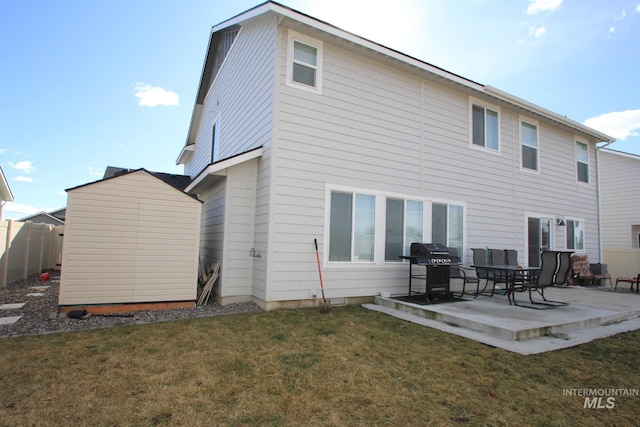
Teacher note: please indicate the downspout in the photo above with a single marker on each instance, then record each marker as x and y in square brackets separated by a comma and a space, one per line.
[598, 148]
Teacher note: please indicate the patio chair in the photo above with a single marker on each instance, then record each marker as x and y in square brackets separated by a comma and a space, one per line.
[631, 280]
[480, 257]
[552, 272]
[498, 257]
[581, 274]
[564, 267]
[511, 256]
[459, 272]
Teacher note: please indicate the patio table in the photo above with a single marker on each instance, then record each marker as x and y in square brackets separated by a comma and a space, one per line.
[511, 273]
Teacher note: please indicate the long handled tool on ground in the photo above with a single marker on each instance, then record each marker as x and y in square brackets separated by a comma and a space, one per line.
[325, 306]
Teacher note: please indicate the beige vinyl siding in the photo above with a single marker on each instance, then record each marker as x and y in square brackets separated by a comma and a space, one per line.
[619, 189]
[128, 239]
[241, 98]
[380, 129]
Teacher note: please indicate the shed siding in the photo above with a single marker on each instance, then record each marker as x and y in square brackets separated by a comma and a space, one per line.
[241, 97]
[131, 238]
[377, 128]
[619, 188]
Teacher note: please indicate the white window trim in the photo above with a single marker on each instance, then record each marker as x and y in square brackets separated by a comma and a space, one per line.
[380, 225]
[584, 227]
[475, 101]
[552, 237]
[294, 36]
[581, 141]
[535, 123]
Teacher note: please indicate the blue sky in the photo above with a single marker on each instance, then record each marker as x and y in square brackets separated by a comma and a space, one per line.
[87, 84]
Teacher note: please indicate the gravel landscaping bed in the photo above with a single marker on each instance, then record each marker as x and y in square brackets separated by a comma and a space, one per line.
[40, 314]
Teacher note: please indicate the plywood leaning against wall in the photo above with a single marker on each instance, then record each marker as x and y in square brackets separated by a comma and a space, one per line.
[132, 238]
[28, 248]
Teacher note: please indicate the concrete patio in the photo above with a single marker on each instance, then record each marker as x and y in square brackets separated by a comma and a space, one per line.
[593, 313]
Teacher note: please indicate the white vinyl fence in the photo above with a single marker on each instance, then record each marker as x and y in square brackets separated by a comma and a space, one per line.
[622, 262]
[27, 249]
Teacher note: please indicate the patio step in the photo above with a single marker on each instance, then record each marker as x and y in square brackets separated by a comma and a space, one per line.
[496, 318]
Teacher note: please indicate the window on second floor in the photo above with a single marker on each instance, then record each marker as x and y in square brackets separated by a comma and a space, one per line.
[582, 162]
[485, 126]
[304, 68]
[529, 145]
[575, 235]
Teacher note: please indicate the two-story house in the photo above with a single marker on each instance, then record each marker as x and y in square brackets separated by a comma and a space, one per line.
[303, 131]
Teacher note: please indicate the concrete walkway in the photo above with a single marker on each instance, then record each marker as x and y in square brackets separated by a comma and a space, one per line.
[591, 314]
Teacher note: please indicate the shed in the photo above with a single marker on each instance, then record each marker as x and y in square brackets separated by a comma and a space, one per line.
[131, 242]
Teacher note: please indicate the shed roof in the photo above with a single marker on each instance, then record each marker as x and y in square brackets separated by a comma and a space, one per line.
[179, 182]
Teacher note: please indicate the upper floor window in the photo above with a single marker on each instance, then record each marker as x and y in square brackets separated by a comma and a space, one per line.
[304, 68]
[529, 144]
[484, 126]
[582, 162]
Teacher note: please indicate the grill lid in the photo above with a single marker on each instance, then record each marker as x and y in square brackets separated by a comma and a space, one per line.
[429, 250]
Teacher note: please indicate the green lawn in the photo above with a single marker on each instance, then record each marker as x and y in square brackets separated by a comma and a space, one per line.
[299, 367]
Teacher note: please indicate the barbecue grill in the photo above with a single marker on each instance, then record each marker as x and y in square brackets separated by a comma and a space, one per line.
[437, 262]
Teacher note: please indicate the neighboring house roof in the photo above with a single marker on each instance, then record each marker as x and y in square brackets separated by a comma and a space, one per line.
[383, 54]
[43, 217]
[179, 182]
[5, 192]
[60, 213]
[621, 153]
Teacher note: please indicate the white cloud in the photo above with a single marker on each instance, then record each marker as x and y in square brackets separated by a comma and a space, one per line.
[153, 96]
[537, 32]
[23, 179]
[543, 5]
[638, 8]
[13, 210]
[24, 166]
[619, 124]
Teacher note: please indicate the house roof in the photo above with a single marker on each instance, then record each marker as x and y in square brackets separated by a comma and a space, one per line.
[386, 54]
[5, 191]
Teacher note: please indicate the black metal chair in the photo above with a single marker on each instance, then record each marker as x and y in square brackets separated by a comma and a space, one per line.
[498, 257]
[553, 271]
[512, 256]
[457, 271]
[480, 257]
